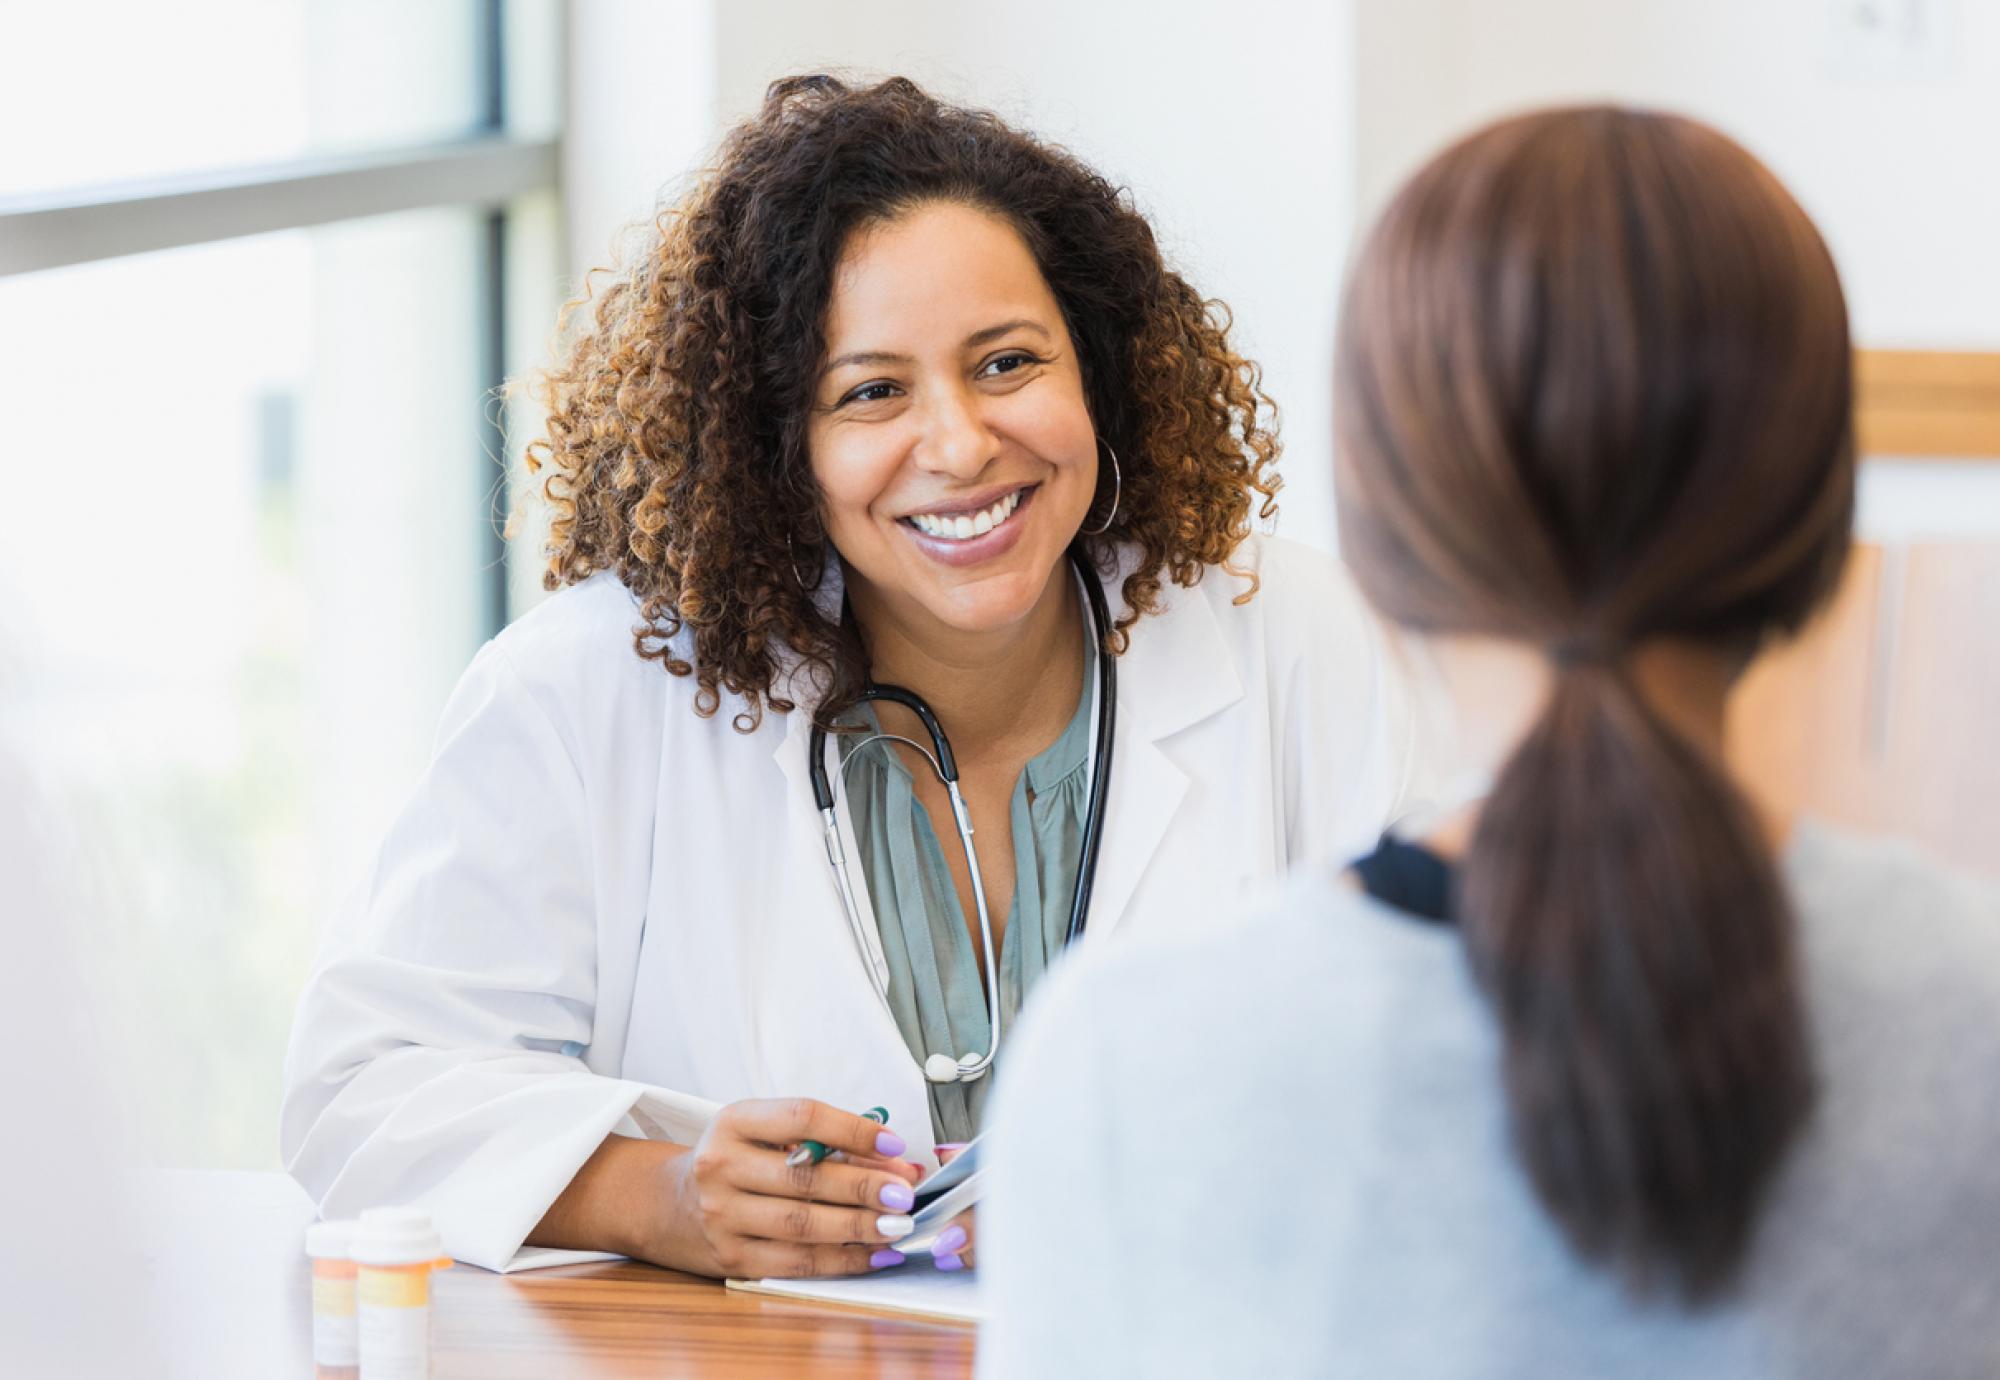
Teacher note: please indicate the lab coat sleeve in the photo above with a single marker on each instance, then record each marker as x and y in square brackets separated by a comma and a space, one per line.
[432, 1060]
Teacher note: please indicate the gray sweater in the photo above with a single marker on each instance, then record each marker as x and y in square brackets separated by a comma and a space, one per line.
[1281, 1150]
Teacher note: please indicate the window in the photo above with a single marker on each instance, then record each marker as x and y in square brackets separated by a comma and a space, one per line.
[119, 91]
[252, 479]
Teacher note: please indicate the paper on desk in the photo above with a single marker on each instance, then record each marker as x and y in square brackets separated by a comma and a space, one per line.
[934, 1216]
[962, 1166]
[918, 1288]
[548, 1257]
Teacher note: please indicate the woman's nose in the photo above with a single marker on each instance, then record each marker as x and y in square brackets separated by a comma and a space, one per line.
[956, 439]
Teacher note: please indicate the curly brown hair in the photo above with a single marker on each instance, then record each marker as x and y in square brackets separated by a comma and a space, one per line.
[677, 417]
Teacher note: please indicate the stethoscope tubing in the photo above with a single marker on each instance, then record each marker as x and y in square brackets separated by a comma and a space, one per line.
[1100, 776]
[966, 1068]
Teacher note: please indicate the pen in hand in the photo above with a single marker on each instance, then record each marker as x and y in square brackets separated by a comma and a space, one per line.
[812, 1152]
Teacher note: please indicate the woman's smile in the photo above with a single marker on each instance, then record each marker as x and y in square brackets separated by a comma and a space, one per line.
[951, 439]
[967, 532]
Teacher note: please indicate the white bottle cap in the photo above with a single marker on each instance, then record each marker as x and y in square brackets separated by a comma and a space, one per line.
[396, 1236]
[330, 1240]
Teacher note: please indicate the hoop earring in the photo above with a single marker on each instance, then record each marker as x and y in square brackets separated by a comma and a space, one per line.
[1117, 493]
[792, 560]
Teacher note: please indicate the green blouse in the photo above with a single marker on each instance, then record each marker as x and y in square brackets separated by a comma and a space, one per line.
[934, 987]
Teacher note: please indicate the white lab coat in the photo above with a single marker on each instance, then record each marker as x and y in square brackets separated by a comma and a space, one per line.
[601, 912]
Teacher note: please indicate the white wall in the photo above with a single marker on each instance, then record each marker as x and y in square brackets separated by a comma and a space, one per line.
[1890, 146]
[638, 117]
[1260, 135]
[641, 112]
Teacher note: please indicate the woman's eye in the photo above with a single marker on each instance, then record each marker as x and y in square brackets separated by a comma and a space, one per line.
[1008, 363]
[870, 392]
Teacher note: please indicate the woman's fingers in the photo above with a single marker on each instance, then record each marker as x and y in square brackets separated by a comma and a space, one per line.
[793, 1120]
[796, 1260]
[902, 1169]
[953, 1250]
[791, 1220]
[749, 1212]
[849, 1184]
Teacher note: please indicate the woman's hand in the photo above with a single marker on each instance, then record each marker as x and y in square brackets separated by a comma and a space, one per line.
[729, 1205]
[740, 1210]
[954, 1247]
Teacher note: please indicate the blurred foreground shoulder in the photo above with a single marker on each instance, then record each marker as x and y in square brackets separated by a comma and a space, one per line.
[1883, 919]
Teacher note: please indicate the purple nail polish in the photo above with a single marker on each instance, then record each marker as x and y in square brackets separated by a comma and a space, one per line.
[889, 1145]
[950, 1242]
[885, 1259]
[948, 1263]
[898, 1197]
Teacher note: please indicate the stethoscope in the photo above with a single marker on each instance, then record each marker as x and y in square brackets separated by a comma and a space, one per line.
[965, 1068]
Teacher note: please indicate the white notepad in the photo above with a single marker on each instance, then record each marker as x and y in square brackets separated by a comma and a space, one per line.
[935, 1214]
[548, 1257]
[918, 1289]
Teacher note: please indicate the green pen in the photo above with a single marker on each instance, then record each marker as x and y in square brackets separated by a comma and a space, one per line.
[812, 1152]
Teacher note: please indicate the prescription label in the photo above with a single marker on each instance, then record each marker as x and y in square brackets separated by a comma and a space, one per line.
[399, 1288]
[336, 1342]
[336, 1335]
[395, 1324]
[333, 1298]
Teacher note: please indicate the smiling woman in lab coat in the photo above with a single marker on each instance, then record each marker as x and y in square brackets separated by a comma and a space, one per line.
[843, 423]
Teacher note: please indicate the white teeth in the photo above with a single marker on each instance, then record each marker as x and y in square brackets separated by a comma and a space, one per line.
[965, 526]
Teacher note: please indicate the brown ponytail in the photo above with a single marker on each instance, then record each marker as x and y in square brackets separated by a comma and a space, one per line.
[1626, 922]
[1594, 393]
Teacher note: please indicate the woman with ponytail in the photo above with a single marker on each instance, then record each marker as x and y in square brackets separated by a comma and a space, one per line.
[1594, 1069]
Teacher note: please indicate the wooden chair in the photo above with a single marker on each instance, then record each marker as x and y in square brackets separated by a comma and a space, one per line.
[1885, 714]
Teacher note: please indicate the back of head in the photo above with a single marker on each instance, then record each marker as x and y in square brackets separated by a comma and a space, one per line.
[1594, 394]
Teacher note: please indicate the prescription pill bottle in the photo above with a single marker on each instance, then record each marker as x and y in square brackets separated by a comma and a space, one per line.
[335, 1341]
[395, 1250]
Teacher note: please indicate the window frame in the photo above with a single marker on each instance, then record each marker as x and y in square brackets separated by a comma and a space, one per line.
[487, 168]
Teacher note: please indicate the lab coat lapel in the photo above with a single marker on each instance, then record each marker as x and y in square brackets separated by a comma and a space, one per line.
[880, 1069]
[1175, 673]
[807, 835]
[793, 757]
[1145, 794]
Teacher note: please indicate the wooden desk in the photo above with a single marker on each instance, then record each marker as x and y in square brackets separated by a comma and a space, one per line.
[232, 1296]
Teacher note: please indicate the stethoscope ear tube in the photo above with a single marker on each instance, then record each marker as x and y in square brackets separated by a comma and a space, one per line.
[1107, 724]
[942, 759]
[947, 765]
